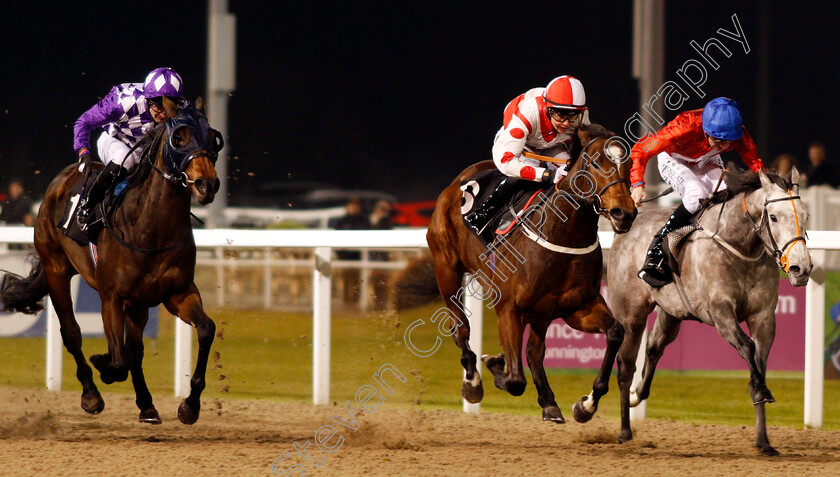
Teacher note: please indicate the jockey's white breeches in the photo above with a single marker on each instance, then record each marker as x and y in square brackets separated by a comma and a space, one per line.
[693, 181]
[111, 149]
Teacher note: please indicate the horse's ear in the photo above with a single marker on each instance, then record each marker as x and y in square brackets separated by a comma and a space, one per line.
[199, 105]
[170, 107]
[794, 180]
[765, 181]
[583, 134]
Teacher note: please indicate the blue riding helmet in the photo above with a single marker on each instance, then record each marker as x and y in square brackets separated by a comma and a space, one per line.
[722, 119]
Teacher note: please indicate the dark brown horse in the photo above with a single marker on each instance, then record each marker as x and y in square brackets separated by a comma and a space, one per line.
[146, 256]
[549, 267]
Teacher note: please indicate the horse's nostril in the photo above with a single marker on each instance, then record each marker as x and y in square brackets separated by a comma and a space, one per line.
[795, 270]
[617, 213]
[200, 184]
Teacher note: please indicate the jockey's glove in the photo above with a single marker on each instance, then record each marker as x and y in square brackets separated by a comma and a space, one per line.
[554, 176]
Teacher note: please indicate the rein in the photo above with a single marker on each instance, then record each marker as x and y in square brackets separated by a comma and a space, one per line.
[596, 206]
[594, 199]
[173, 179]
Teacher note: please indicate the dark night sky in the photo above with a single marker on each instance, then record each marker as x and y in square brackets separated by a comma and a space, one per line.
[389, 96]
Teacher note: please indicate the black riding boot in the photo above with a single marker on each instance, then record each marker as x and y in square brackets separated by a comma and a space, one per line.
[108, 177]
[478, 218]
[656, 271]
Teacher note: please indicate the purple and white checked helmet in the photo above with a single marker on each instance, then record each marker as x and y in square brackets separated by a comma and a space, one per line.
[163, 81]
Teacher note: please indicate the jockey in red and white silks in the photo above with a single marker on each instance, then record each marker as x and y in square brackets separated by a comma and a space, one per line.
[543, 121]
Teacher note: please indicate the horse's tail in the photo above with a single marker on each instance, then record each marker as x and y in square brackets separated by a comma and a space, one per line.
[24, 294]
[416, 285]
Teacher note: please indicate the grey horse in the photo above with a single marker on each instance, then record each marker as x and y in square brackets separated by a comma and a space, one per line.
[729, 272]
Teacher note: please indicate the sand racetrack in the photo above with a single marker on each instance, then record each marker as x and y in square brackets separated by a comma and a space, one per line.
[44, 433]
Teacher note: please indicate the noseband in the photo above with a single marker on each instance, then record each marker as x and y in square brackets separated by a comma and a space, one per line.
[780, 255]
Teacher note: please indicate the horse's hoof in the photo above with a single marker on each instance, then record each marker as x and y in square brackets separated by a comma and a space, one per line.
[763, 396]
[515, 388]
[92, 402]
[495, 364]
[186, 414]
[768, 450]
[150, 416]
[580, 414]
[553, 414]
[100, 361]
[634, 398]
[473, 394]
[625, 436]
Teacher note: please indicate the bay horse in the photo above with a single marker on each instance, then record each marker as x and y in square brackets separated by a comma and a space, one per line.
[146, 256]
[729, 271]
[548, 267]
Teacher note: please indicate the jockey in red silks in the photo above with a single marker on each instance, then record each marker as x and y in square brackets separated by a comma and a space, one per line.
[688, 151]
[543, 121]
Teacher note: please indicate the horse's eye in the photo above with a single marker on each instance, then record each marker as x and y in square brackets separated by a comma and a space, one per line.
[773, 218]
[180, 137]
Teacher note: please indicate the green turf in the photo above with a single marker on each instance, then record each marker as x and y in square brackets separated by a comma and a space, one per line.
[265, 355]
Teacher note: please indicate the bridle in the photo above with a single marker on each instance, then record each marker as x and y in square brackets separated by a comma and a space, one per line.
[780, 255]
[595, 199]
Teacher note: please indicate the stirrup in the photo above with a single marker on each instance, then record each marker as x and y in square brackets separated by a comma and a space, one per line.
[656, 274]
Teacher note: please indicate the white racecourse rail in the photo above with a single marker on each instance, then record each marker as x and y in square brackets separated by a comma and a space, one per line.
[324, 240]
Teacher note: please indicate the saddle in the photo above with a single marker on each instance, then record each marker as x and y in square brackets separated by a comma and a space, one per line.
[479, 188]
[68, 223]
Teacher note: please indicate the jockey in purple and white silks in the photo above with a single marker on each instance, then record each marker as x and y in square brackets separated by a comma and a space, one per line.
[126, 113]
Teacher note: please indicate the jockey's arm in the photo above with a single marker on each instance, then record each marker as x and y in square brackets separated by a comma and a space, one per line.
[105, 111]
[507, 153]
[749, 153]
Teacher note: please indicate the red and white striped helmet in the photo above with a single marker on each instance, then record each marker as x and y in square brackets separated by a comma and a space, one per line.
[565, 92]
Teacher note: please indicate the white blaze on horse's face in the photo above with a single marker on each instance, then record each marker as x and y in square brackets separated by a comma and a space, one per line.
[786, 219]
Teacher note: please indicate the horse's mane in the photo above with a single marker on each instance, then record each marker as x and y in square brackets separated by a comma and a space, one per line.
[141, 172]
[744, 180]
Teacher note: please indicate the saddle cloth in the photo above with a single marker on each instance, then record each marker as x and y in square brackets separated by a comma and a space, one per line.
[68, 223]
[476, 190]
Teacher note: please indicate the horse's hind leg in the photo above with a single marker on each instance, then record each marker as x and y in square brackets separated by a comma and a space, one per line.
[511, 329]
[665, 330]
[763, 331]
[535, 353]
[449, 272]
[596, 317]
[188, 307]
[58, 282]
[134, 326]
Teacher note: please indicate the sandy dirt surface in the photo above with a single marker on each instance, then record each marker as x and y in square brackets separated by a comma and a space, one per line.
[44, 433]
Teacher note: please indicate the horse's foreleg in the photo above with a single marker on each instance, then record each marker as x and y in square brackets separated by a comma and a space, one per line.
[535, 353]
[595, 317]
[734, 335]
[134, 350]
[627, 354]
[113, 367]
[58, 282]
[188, 307]
[763, 331]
